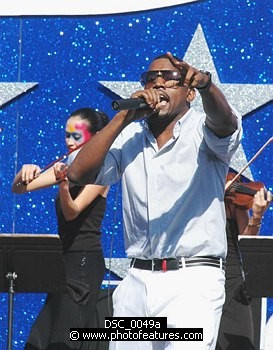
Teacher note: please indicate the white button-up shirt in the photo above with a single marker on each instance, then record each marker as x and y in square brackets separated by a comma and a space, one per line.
[173, 197]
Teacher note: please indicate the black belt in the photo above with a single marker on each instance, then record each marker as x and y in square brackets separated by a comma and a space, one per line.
[177, 263]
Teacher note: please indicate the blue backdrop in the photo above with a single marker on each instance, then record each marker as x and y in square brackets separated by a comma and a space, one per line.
[72, 57]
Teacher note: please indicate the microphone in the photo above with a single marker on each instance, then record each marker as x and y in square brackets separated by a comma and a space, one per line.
[129, 103]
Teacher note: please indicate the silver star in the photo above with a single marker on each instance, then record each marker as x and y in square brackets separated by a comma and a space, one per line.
[245, 99]
[9, 91]
[118, 265]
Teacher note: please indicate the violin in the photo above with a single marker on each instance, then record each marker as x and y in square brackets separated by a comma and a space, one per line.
[241, 193]
[62, 158]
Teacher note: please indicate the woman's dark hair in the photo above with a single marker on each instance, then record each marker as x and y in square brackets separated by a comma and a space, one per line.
[96, 119]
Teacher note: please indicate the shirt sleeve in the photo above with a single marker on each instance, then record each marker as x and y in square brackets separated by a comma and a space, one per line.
[224, 148]
[110, 172]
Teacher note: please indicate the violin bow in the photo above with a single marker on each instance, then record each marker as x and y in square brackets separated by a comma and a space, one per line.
[63, 157]
[248, 163]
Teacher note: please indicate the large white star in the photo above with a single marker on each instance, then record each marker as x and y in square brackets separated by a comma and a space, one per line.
[245, 98]
[9, 91]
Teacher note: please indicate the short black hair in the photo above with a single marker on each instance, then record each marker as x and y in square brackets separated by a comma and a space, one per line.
[164, 55]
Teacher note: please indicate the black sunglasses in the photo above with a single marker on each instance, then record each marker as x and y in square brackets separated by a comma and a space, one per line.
[151, 76]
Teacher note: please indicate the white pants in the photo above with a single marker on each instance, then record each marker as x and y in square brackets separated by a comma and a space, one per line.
[190, 297]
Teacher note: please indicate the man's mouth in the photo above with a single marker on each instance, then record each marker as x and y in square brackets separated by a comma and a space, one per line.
[163, 100]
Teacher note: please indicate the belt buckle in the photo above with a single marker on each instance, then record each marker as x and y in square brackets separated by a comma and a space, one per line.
[153, 265]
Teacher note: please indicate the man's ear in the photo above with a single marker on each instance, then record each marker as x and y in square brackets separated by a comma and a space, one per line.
[191, 95]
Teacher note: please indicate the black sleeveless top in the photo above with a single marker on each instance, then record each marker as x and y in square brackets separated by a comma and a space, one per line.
[235, 285]
[233, 259]
[84, 232]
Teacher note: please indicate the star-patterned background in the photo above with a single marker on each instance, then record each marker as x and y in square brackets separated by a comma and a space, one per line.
[50, 66]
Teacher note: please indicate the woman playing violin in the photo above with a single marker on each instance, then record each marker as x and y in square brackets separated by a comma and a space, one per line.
[236, 328]
[80, 211]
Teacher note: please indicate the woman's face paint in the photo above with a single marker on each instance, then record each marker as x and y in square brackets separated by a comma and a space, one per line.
[76, 132]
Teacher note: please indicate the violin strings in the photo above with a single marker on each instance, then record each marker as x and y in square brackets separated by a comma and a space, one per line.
[243, 189]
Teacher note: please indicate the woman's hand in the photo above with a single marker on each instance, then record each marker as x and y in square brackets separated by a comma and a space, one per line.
[261, 202]
[60, 171]
[29, 172]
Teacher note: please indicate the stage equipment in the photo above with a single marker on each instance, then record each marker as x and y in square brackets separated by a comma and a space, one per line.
[30, 263]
